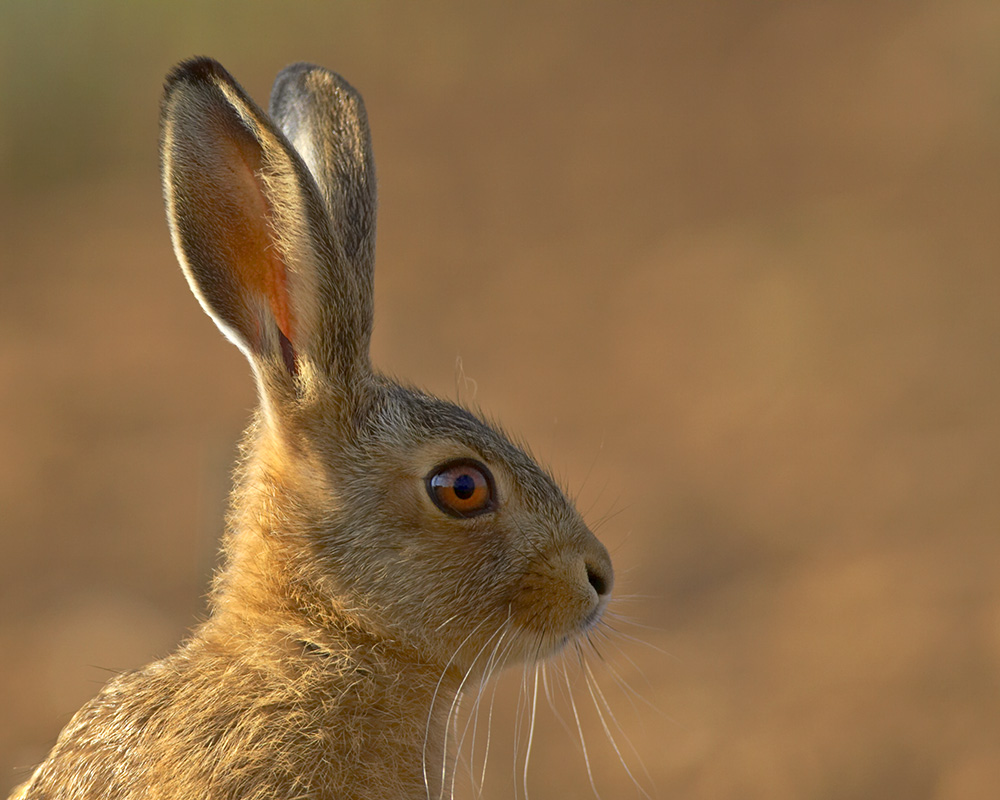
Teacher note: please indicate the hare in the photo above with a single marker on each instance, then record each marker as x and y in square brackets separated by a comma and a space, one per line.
[385, 550]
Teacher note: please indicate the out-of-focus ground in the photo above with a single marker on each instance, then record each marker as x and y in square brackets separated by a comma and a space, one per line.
[731, 268]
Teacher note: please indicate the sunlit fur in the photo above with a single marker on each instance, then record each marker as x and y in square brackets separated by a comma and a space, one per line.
[350, 613]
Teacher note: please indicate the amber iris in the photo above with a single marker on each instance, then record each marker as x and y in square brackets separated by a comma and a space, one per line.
[462, 488]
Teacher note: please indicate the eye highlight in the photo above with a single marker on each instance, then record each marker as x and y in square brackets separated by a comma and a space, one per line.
[462, 488]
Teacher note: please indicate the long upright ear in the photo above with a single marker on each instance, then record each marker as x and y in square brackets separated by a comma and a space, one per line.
[324, 118]
[251, 231]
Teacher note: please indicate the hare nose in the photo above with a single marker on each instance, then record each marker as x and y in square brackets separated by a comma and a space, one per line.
[595, 576]
[600, 573]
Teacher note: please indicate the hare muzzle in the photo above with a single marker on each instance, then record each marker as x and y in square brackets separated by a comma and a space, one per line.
[564, 592]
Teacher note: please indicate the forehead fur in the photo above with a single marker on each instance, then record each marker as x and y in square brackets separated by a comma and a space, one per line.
[409, 418]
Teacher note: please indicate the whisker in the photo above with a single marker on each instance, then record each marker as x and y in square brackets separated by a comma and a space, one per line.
[551, 700]
[579, 728]
[531, 732]
[489, 724]
[590, 469]
[604, 519]
[610, 639]
[492, 663]
[635, 640]
[452, 718]
[623, 620]
[590, 635]
[632, 597]
[626, 687]
[597, 695]
[430, 714]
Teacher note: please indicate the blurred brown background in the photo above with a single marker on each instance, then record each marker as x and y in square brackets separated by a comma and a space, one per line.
[730, 267]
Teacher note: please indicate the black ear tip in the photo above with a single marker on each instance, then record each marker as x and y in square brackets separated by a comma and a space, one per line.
[200, 69]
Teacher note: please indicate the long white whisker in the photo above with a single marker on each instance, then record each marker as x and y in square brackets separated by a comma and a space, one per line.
[634, 639]
[630, 694]
[489, 723]
[531, 731]
[430, 713]
[551, 701]
[579, 728]
[488, 669]
[598, 697]
[519, 724]
[623, 599]
[452, 718]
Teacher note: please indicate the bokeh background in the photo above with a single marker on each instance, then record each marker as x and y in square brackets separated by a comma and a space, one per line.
[730, 267]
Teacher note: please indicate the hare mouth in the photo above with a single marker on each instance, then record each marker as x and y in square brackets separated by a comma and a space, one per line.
[592, 619]
[557, 643]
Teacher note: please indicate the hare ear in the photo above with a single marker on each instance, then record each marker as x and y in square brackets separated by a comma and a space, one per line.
[252, 234]
[324, 118]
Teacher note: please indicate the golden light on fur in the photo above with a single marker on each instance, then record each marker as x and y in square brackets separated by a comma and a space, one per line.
[386, 551]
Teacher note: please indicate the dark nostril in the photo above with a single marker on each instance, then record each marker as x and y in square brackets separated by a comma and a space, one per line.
[597, 580]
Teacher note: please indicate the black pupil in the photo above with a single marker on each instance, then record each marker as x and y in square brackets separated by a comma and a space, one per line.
[465, 486]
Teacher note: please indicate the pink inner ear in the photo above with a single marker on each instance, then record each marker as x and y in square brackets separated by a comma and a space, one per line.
[258, 265]
[277, 295]
[225, 216]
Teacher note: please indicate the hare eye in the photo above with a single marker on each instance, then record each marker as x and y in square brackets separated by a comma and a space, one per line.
[461, 488]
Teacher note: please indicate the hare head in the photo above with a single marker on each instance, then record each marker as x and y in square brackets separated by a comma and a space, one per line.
[362, 502]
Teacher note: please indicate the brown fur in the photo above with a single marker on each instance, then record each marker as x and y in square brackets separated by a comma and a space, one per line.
[349, 609]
